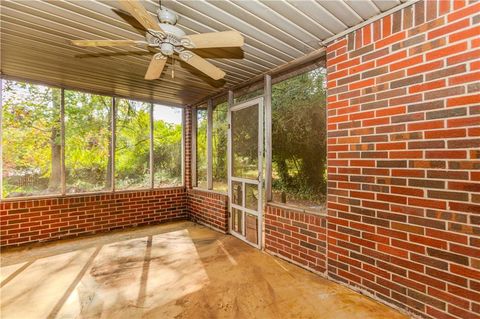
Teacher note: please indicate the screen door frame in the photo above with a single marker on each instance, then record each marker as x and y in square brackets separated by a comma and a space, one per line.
[258, 102]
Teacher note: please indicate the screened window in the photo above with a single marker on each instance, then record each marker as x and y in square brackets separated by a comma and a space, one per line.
[245, 134]
[201, 149]
[214, 120]
[88, 142]
[31, 139]
[132, 153]
[299, 140]
[39, 140]
[219, 147]
[167, 146]
[239, 98]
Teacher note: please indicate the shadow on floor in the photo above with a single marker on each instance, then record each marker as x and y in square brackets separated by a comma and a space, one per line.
[176, 270]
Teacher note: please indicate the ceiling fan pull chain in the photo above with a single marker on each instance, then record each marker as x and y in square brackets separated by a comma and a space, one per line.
[173, 68]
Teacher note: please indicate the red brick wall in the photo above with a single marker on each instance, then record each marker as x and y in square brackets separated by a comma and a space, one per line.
[208, 208]
[34, 220]
[404, 159]
[296, 236]
[204, 207]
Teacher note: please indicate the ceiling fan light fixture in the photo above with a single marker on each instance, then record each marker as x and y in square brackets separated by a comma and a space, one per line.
[167, 48]
[166, 16]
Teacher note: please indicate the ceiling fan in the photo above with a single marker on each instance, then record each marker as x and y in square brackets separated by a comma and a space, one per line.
[169, 40]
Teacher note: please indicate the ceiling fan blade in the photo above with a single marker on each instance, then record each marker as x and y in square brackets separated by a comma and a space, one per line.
[220, 53]
[104, 43]
[127, 17]
[135, 8]
[225, 39]
[112, 54]
[156, 67]
[202, 65]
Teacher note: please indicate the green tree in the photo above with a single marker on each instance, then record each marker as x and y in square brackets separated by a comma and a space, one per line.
[31, 142]
[299, 136]
[132, 153]
[245, 142]
[219, 146]
[167, 153]
[31, 139]
[87, 141]
[201, 147]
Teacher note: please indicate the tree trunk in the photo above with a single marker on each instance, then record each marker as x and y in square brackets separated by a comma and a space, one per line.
[108, 175]
[56, 148]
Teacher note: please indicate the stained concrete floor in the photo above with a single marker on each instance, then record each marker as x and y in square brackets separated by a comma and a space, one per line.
[177, 270]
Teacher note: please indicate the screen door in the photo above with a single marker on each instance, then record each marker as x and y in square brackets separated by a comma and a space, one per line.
[245, 171]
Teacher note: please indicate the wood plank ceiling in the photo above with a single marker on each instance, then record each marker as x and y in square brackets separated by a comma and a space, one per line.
[35, 46]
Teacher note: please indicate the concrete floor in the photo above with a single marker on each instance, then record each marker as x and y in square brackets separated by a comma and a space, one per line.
[177, 270]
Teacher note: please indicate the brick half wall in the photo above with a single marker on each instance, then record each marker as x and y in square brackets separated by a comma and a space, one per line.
[296, 236]
[208, 208]
[404, 159]
[34, 220]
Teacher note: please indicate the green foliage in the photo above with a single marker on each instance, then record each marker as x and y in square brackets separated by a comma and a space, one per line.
[201, 147]
[167, 153]
[219, 146]
[299, 137]
[32, 142]
[31, 126]
[298, 140]
[245, 142]
[87, 141]
[248, 96]
[132, 144]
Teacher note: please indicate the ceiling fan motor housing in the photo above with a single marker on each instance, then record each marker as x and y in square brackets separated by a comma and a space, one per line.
[166, 16]
[170, 41]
